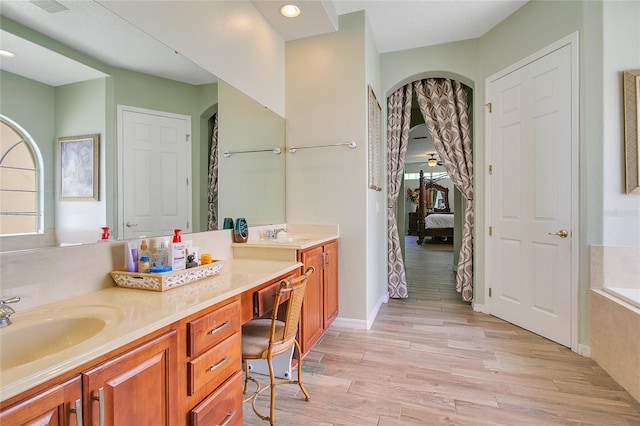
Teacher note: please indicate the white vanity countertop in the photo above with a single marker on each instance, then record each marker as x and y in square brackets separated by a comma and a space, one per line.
[131, 314]
[298, 239]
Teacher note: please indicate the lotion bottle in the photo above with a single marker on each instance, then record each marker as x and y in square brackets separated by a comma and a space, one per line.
[177, 252]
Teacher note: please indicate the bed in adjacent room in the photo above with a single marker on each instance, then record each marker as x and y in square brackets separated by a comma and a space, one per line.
[435, 219]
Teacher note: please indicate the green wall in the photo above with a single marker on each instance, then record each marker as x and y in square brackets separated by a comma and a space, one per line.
[32, 106]
[80, 110]
[531, 28]
[145, 91]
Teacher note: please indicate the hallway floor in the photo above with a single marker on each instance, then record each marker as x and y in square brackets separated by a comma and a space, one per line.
[431, 360]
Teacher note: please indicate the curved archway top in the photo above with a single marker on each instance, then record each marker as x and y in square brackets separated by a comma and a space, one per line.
[431, 74]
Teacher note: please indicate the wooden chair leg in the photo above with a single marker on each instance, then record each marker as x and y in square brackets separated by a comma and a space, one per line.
[272, 383]
[246, 376]
[304, 391]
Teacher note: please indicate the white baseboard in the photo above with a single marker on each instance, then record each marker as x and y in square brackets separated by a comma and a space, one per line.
[477, 307]
[350, 323]
[584, 350]
[362, 324]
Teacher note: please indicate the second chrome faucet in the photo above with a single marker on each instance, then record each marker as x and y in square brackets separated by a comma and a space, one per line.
[272, 234]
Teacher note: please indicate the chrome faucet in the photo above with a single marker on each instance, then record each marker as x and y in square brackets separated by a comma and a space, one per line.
[6, 311]
[272, 234]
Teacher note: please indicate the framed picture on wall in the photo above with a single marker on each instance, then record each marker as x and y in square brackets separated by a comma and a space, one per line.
[631, 83]
[375, 142]
[79, 164]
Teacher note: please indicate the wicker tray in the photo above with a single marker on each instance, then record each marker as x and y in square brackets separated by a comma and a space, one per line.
[167, 280]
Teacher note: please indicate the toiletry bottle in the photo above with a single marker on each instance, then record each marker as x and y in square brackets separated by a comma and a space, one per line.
[160, 256]
[144, 264]
[143, 252]
[131, 259]
[105, 233]
[177, 252]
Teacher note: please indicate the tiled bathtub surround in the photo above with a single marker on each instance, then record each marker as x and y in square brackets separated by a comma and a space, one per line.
[615, 323]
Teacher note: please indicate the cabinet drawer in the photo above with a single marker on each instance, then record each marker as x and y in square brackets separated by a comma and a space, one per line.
[215, 365]
[212, 328]
[223, 407]
[264, 298]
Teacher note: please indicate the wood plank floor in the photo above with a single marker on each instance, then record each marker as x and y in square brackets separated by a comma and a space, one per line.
[431, 360]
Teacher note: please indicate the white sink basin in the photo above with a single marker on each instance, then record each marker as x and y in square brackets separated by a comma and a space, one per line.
[291, 239]
[42, 333]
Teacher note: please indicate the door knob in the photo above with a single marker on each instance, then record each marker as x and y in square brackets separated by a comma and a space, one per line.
[563, 233]
[129, 224]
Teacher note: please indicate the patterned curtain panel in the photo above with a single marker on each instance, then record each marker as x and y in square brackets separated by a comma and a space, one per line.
[398, 123]
[212, 205]
[444, 105]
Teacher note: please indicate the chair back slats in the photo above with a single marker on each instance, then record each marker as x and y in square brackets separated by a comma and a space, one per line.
[295, 288]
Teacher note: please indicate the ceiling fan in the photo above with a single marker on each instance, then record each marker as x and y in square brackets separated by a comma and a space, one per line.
[433, 161]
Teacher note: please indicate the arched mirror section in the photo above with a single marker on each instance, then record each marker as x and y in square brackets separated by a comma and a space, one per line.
[21, 198]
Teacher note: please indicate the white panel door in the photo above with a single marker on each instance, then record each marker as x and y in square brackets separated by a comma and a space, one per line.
[156, 165]
[531, 196]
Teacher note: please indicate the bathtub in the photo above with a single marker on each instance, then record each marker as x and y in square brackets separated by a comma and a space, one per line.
[629, 295]
[614, 313]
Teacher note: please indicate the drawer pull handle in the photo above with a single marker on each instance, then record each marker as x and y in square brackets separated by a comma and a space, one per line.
[227, 419]
[221, 327]
[100, 399]
[219, 364]
[78, 412]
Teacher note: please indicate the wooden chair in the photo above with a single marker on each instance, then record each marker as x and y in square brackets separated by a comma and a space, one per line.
[266, 338]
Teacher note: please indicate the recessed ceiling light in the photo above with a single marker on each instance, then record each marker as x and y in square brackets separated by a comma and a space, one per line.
[290, 11]
[7, 54]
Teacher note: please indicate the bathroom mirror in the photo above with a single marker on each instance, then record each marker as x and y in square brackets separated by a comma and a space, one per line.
[89, 107]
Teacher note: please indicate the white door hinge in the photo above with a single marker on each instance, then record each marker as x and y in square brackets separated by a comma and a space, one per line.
[488, 105]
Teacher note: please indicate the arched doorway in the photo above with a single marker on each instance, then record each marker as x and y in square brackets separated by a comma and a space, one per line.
[445, 105]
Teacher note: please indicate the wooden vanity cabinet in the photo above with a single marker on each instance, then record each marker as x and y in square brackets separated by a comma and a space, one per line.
[213, 366]
[187, 373]
[330, 283]
[134, 388]
[55, 406]
[320, 304]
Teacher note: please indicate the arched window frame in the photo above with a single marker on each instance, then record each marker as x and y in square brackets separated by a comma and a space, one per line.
[39, 172]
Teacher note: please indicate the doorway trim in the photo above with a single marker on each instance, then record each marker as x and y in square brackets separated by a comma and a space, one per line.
[572, 41]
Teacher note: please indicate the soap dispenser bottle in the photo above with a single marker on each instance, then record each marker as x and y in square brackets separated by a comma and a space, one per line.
[177, 249]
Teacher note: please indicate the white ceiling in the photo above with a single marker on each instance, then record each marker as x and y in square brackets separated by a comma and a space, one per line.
[94, 30]
[404, 24]
[396, 24]
[90, 28]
